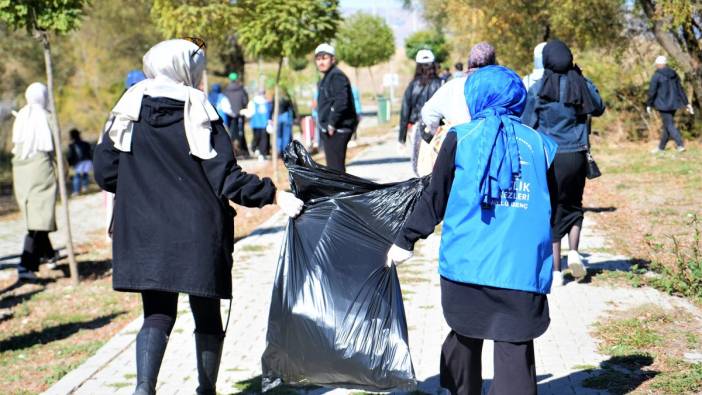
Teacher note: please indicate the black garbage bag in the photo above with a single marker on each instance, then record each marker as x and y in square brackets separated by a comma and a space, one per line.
[337, 318]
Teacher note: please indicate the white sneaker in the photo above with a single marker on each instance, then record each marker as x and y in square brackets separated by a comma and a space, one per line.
[575, 264]
[557, 280]
[656, 151]
[681, 149]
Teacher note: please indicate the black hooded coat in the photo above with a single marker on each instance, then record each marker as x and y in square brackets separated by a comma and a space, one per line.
[665, 93]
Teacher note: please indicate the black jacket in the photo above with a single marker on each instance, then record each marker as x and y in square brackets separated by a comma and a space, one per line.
[79, 151]
[665, 93]
[416, 95]
[335, 101]
[237, 96]
[173, 226]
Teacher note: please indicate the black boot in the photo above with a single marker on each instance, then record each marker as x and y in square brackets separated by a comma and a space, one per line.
[209, 352]
[150, 347]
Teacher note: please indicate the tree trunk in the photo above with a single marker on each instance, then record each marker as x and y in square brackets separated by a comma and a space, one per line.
[276, 111]
[56, 131]
[690, 64]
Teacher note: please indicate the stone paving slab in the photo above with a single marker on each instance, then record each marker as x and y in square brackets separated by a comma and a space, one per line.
[561, 353]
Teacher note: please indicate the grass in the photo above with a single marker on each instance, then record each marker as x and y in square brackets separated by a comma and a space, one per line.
[253, 386]
[646, 345]
[654, 203]
[54, 327]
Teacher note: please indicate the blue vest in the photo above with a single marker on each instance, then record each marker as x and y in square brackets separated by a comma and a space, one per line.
[262, 113]
[508, 245]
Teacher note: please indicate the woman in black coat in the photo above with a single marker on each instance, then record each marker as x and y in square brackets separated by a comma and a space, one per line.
[169, 160]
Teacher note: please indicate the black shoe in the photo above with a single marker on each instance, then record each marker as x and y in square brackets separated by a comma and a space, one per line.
[209, 353]
[150, 347]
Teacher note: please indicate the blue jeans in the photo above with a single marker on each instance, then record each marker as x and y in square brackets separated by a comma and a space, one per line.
[80, 181]
[284, 136]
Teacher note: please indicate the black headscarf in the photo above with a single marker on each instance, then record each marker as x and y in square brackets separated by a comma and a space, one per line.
[558, 61]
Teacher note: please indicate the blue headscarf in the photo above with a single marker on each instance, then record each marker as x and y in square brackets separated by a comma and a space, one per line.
[214, 94]
[496, 96]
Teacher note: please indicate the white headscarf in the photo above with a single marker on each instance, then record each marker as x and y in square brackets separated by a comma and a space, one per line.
[173, 68]
[538, 72]
[31, 128]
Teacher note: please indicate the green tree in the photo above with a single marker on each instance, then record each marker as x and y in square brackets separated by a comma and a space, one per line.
[40, 18]
[364, 40]
[427, 39]
[277, 29]
[514, 27]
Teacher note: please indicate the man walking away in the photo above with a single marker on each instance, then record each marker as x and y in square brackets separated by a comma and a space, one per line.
[238, 99]
[337, 115]
[666, 95]
[80, 157]
[459, 73]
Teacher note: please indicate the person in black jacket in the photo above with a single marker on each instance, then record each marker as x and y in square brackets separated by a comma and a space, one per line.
[337, 118]
[239, 99]
[80, 157]
[169, 161]
[666, 95]
[422, 87]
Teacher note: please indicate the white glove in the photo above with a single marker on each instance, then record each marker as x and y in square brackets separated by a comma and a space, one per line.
[690, 109]
[288, 203]
[648, 110]
[397, 255]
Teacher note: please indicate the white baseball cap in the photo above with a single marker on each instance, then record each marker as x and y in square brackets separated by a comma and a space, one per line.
[324, 48]
[424, 56]
[661, 60]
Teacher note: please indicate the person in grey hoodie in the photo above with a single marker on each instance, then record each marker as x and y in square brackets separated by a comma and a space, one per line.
[666, 95]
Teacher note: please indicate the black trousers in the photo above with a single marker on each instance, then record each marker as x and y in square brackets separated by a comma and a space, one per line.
[335, 149]
[570, 169]
[460, 370]
[161, 309]
[261, 141]
[669, 130]
[36, 246]
[236, 132]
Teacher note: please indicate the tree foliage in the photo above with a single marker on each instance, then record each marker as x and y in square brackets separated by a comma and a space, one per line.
[57, 16]
[427, 39]
[364, 40]
[211, 20]
[275, 29]
[516, 26]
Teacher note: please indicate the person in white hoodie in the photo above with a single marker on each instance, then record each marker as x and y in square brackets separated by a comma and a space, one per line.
[530, 79]
[448, 105]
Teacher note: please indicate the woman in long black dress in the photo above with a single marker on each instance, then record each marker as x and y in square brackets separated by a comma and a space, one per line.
[493, 189]
[169, 160]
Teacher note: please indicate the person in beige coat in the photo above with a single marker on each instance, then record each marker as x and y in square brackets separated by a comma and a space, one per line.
[34, 179]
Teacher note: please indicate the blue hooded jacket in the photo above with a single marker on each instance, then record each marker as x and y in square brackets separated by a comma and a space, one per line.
[496, 229]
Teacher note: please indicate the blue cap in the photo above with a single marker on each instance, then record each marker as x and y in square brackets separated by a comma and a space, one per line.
[133, 77]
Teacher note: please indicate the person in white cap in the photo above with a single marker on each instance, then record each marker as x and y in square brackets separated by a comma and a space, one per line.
[666, 94]
[170, 162]
[422, 87]
[336, 113]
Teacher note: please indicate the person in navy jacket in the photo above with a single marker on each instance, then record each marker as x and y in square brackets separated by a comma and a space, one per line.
[493, 187]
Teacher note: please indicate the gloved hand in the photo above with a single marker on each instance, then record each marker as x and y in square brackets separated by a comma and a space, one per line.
[331, 130]
[648, 110]
[287, 202]
[269, 127]
[690, 109]
[397, 255]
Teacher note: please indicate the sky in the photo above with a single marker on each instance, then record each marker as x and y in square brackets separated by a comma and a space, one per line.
[402, 22]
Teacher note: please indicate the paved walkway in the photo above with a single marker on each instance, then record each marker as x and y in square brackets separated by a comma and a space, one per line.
[561, 356]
